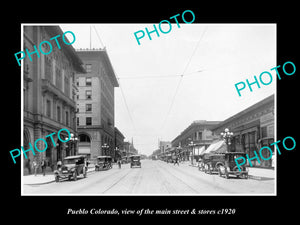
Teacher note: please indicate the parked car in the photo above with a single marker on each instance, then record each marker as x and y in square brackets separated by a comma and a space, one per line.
[72, 166]
[230, 167]
[103, 163]
[212, 162]
[135, 161]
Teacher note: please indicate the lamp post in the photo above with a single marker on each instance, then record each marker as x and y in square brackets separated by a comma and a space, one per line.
[191, 144]
[105, 147]
[227, 135]
[72, 145]
[118, 153]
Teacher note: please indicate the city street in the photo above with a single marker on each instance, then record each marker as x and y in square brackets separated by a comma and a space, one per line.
[155, 177]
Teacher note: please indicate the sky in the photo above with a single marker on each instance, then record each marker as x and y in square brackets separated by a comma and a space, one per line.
[185, 75]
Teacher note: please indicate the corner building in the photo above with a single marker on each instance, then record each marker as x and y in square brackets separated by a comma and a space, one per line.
[95, 104]
[49, 94]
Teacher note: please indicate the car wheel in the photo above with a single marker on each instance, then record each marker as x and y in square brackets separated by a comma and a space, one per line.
[219, 172]
[74, 176]
[56, 178]
[226, 174]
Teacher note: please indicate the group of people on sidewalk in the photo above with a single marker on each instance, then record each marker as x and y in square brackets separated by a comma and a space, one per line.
[35, 165]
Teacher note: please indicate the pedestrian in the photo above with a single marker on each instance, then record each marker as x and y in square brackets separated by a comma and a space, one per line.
[176, 161]
[35, 166]
[43, 166]
[28, 165]
[119, 163]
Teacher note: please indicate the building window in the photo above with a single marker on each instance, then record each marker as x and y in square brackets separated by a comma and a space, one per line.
[58, 81]
[88, 94]
[88, 107]
[88, 68]
[67, 86]
[58, 113]
[77, 82]
[88, 81]
[48, 109]
[264, 132]
[67, 118]
[77, 121]
[84, 138]
[48, 69]
[88, 120]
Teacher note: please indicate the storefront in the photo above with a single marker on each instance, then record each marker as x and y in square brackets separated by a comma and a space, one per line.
[252, 128]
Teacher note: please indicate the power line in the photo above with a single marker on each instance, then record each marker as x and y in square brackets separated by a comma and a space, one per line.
[127, 108]
[158, 76]
[181, 77]
[98, 36]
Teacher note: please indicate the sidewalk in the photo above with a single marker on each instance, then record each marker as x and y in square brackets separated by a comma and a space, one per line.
[261, 173]
[48, 178]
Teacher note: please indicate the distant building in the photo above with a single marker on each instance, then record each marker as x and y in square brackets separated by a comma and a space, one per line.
[130, 149]
[49, 94]
[164, 145]
[196, 137]
[95, 104]
[119, 144]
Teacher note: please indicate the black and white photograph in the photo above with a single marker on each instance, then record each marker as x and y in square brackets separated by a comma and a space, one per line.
[144, 109]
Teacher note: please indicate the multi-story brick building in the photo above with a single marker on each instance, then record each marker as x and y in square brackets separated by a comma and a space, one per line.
[95, 104]
[49, 93]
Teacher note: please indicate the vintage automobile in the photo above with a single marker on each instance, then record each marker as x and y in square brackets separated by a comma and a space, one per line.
[135, 161]
[72, 166]
[103, 163]
[230, 167]
[212, 162]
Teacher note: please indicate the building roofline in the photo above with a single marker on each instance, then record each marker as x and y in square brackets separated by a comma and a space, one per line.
[261, 103]
[197, 123]
[104, 53]
[70, 51]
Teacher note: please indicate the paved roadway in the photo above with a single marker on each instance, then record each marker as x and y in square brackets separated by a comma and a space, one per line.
[155, 177]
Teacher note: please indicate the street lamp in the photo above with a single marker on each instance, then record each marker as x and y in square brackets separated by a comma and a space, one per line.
[227, 137]
[72, 144]
[192, 146]
[105, 147]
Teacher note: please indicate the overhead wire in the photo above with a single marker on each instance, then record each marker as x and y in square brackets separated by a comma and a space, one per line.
[181, 77]
[120, 86]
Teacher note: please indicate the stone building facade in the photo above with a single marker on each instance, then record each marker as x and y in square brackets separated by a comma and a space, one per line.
[95, 104]
[49, 94]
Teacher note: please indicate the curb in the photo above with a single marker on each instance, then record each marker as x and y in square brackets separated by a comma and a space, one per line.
[52, 181]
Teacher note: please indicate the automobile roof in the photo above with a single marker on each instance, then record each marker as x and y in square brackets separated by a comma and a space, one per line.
[103, 156]
[135, 156]
[75, 157]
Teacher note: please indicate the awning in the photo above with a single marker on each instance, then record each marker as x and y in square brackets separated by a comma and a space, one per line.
[217, 147]
[201, 150]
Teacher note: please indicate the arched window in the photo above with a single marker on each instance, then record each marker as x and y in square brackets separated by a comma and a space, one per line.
[84, 138]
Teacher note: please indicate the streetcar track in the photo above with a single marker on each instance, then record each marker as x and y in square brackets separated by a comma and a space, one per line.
[102, 178]
[138, 180]
[194, 190]
[111, 186]
[197, 178]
